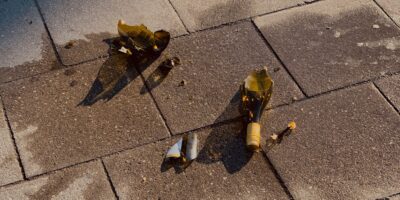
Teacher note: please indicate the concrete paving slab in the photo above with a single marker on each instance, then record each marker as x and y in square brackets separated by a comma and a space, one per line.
[25, 48]
[392, 8]
[335, 43]
[345, 145]
[198, 15]
[53, 131]
[9, 166]
[391, 88]
[223, 170]
[85, 24]
[86, 181]
[396, 197]
[213, 65]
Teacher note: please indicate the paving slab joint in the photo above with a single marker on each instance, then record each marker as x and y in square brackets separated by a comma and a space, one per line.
[48, 33]
[179, 16]
[387, 14]
[109, 180]
[388, 197]
[351, 85]
[386, 98]
[277, 57]
[277, 175]
[164, 120]
[21, 166]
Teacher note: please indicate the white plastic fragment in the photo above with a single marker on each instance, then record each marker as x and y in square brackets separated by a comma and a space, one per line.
[191, 148]
[175, 150]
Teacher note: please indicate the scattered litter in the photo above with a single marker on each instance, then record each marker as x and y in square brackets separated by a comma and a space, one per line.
[139, 39]
[182, 153]
[70, 44]
[125, 51]
[170, 63]
[375, 26]
[276, 138]
[137, 47]
[256, 92]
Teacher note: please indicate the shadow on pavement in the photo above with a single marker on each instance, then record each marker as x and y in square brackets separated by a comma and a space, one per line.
[227, 145]
[224, 144]
[159, 74]
[117, 72]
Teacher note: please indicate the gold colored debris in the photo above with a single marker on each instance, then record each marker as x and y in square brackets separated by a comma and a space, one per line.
[276, 138]
[256, 92]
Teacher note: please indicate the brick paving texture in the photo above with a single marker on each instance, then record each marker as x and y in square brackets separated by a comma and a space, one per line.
[336, 67]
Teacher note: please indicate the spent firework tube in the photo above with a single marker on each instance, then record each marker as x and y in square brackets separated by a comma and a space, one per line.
[256, 93]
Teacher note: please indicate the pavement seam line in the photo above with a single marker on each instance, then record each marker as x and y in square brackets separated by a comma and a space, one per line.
[172, 137]
[174, 37]
[232, 23]
[252, 16]
[277, 175]
[164, 120]
[386, 13]
[48, 33]
[178, 36]
[386, 98]
[109, 179]
[11, 132]
[388, 197]
[278, 58]
[179, 16]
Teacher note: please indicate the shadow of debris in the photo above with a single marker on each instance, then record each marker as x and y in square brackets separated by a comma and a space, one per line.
[159, 74]
[227, 146]
[177, 164]
[117, 72]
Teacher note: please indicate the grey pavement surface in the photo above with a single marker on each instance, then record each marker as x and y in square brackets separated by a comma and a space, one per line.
[335, 64]
[214, 175]
[214, 63]
[87, 23]
[324, 50]
[391, 88]
[10, 170]
[348, 143]
[52, 131]
[25, 48]
[198, 15]
[86, 181]
[392, 7]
